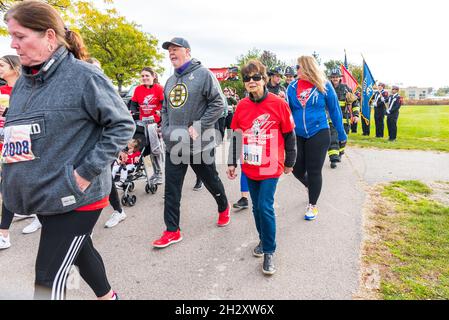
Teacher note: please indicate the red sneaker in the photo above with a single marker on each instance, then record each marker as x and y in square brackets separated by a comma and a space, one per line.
[224, 217]
[167, 239]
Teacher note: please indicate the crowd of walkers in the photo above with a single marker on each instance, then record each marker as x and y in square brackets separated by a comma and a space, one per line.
[274, 130]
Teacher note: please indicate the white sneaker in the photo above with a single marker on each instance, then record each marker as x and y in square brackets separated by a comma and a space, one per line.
[5, 243]
[311, 213]
[32, 227]
[115, 219]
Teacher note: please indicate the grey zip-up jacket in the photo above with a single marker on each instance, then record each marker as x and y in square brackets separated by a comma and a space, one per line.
[193, 97]
[78, 122]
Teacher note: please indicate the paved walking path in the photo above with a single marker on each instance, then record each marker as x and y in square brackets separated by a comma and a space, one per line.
[315, 260]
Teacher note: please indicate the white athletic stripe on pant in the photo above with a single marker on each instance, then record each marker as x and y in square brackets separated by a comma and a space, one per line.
[59, 281]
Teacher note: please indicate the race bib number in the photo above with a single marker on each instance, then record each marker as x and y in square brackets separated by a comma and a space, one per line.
[17, 145]
[252, 155]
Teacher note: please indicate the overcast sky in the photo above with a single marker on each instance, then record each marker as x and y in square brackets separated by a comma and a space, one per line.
[403, 42]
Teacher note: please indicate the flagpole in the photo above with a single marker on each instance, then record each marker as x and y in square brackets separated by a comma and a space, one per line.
[362, 92]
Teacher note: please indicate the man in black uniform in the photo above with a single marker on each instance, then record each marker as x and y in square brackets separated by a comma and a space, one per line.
[350, 108]
[379, 99]
[394, 104]
[274, 84]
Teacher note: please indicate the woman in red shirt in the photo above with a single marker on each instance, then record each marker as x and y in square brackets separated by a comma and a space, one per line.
[148, 97]
[147, 102]
[264, 124]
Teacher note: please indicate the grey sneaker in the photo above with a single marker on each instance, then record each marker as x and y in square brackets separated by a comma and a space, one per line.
[157, 179]
[241, 204]
[268, 265]
[198, 185]
[258, 251]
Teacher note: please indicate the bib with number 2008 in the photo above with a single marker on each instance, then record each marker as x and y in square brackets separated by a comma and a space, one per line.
[17, 145]
[252, 154]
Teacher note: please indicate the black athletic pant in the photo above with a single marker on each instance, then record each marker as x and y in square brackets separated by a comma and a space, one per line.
[114, 198]
[334, 147]
[7, 217]
[379, 118]
[392, 124]
[354, 127]
[309, 162]
[174, 179]
[366, 127]
[65, 241]
[222, 127]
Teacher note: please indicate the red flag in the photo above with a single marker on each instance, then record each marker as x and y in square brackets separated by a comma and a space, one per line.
[348, 79]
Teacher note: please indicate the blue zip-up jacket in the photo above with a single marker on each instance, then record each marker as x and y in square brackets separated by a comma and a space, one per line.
[312, 118]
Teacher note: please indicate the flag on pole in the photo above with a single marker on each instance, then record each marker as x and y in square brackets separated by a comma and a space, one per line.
[348, 79]
[367, 93]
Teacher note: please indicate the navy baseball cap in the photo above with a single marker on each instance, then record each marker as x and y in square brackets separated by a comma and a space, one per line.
[179, 42]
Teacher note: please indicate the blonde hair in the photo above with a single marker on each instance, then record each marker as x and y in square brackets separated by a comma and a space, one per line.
[312, 73]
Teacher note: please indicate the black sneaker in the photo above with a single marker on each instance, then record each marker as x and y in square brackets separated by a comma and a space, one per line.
[268, 265]
[258, 251]
[333, 164]
[198, 185]
[241, 204]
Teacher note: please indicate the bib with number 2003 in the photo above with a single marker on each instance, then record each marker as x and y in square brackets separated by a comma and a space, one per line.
[252, 154]
[17, 145]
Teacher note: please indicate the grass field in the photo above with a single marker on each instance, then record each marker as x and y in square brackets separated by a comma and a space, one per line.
[413, 245]
[419, 128]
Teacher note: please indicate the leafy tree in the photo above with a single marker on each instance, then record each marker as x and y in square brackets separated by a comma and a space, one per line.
[317, 57]
[332, 64]
[121, 47]
[441, 92]
[65, 7]
[270, 60]
[250, 55]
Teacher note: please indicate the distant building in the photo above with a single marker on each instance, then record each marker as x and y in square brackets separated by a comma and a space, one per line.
[415, 93]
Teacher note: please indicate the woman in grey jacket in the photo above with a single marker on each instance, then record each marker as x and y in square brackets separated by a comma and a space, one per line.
[64, 127]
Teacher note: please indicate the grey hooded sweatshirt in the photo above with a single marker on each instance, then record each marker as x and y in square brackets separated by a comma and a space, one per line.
[193, 97]
[78, 122]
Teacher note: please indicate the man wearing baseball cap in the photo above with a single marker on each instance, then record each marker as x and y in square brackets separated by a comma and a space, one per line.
[193, 103]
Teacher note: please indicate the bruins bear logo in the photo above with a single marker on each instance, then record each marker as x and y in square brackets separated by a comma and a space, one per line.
[178, 95]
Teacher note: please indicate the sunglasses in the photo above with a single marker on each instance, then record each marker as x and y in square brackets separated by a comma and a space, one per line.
[256, 77]
[298, 67]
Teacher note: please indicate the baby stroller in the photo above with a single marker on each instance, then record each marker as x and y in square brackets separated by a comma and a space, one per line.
[148, 134]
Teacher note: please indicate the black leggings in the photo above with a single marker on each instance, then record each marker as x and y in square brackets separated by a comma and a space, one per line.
[7, 217]
[66, 241]
[114, 198]
[309, 162]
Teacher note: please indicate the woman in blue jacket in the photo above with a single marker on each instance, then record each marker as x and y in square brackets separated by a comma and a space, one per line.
[311, 98]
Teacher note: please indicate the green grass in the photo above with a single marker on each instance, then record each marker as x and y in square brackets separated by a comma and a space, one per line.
[419, 127]
[416, 239]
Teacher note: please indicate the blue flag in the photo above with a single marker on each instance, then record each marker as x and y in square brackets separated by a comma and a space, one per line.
[346, 62]
[368, 91]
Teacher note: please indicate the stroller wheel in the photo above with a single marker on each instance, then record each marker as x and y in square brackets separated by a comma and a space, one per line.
[132, 186]
[151, 188]
[125, 200]
[132, 201]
